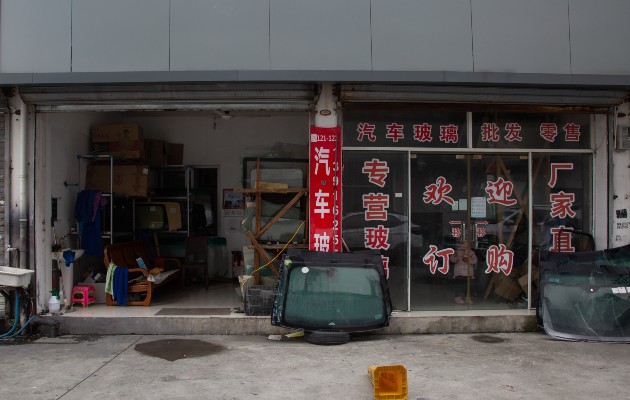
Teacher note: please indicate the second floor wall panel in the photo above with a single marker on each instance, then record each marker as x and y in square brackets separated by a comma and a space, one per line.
[487, 36]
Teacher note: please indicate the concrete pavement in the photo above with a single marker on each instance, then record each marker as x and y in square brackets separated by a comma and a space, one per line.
[450, 366]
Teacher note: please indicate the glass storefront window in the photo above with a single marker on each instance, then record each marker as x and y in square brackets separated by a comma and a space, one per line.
[375, 212]
[458, 221]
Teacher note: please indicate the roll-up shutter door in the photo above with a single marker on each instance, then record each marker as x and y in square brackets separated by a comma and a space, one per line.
[362, 95]
[232, 96]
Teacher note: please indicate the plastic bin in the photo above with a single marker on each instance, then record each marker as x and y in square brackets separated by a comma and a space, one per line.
[259, 299]
[389, 381]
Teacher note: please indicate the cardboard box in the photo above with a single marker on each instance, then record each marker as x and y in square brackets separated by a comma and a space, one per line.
[508, 288]
[121, 141]
[128, 180]
[155, 152]
[174, 153]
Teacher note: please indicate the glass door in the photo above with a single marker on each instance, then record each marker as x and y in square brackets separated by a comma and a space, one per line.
[470, 244]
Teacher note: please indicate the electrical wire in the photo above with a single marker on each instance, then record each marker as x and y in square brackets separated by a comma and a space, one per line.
[281, 251]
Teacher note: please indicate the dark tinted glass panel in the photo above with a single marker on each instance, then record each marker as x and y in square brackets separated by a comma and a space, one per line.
[333, 296]
[586, 296]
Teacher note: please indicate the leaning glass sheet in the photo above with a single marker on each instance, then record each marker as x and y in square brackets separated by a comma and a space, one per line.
[586, 295]
[344, 292]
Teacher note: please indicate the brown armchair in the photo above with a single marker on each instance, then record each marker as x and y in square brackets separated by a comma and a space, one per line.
[124, 255]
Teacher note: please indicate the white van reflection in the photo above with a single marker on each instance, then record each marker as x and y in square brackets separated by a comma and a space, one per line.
[353, 232]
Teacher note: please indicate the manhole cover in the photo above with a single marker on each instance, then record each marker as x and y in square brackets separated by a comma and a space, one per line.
[176, 349]
[488, 339]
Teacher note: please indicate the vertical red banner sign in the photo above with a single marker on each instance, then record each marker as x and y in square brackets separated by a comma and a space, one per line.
[325, 189]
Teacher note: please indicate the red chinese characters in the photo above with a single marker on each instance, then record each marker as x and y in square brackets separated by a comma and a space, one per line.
[561, 204]
[513, 132]
[385, 266]
[430, 259]
[561, 239]
[572, 132]
[489, 132]
[325, 189]
[549, 131]
[500, 191]
[561, 207]
[437, 192]
[395, 132]
[376, 171]
[422, 133]
[377, 238]
[366, 130]
[449, 133]
[499, 259]
[376, 205]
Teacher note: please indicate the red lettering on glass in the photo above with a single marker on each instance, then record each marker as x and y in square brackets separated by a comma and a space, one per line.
[513, 132]
[437, 192]
[549, 131]
[561, 239]
[422, 133]
[385, 266]
[376, 238]
[376, 205]
[395, 132]
[489, 132]
[499, 192]
[499, 259]
[376, 171]
[555, 167]
[430, 259]
[366, 130]
[561, 204]
[572, 132]
[480, 228]
[448, 133]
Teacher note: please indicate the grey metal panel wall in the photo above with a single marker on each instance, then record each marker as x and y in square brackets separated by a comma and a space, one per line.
[297, 37]
[421, 35]
[220, 34]
[600, 36]
[521, 36]
[35, 36]
[120, 35]
[323, 34]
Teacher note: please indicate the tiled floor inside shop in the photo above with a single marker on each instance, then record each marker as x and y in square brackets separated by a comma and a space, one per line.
[219, 299]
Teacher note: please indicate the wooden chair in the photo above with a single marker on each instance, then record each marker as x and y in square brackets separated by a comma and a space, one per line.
[124, 255]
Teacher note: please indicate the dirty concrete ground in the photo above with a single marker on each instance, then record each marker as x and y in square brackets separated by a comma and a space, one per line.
[461, 366]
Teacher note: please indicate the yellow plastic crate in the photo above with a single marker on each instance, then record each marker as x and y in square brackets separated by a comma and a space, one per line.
[389, 381]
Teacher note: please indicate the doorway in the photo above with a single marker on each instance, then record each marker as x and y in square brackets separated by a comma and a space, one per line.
[472, 212]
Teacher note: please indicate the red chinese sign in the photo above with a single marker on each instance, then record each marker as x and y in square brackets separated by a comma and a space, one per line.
[431, 259]
[561, 202]
[325, 189]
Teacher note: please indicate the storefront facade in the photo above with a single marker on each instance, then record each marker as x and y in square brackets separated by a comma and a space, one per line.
[447, 196]
[471, 139]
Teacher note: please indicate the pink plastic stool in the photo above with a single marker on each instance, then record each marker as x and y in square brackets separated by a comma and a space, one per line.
[84, 294]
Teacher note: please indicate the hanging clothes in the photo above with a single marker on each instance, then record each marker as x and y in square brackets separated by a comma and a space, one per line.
[87, 212]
